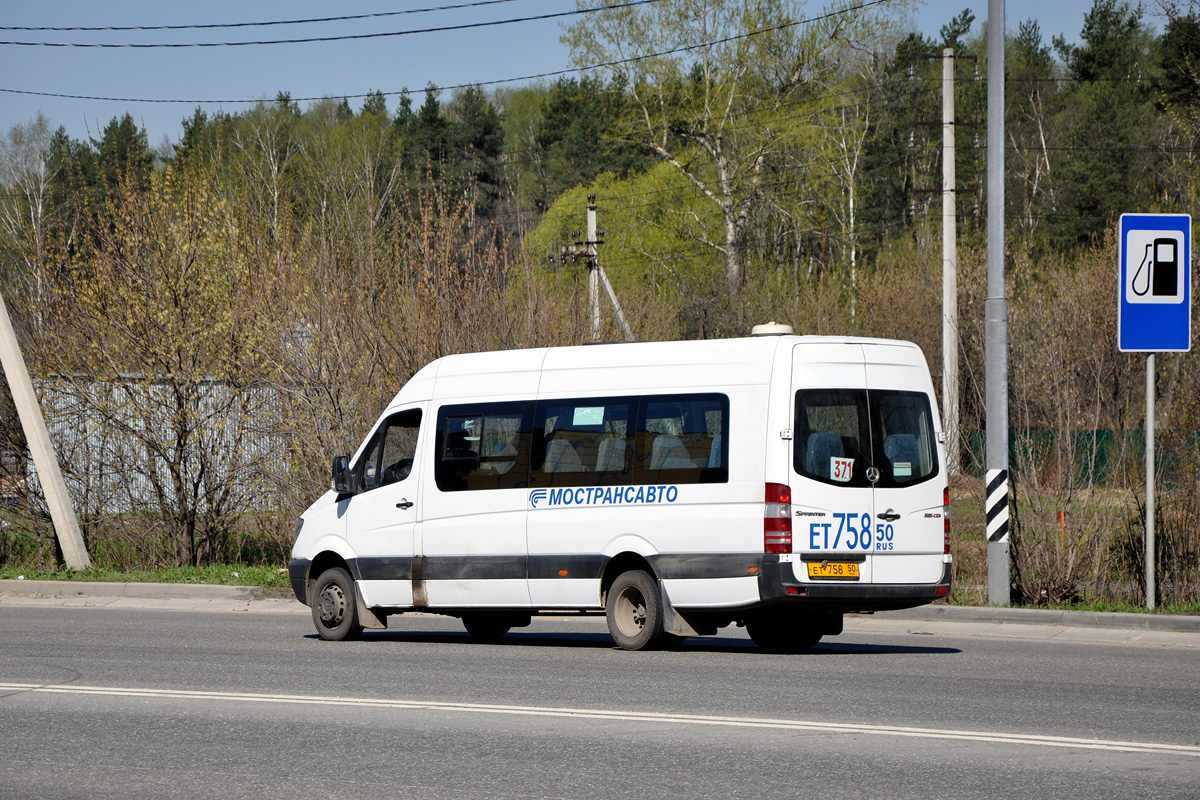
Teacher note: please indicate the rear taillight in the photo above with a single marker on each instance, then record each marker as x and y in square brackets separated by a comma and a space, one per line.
[946, 520]
[777, 519]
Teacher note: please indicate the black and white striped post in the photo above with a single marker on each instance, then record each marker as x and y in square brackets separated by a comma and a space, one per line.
[995, 311]
[996, 509]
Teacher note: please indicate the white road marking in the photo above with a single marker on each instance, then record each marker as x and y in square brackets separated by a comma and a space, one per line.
[631, 716]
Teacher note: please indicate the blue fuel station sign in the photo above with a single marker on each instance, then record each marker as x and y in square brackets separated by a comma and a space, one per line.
[1154, 313]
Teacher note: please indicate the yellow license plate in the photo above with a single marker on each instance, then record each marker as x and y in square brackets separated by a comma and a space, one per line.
[833, 570]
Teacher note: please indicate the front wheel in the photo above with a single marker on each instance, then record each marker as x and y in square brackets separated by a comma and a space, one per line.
[634, 610]
[334, 611]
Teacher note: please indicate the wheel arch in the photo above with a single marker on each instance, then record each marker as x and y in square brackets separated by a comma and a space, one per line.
[622, 562]
[327, 559]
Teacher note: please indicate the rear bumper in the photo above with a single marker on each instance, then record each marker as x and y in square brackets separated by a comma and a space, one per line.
[298, 574]
[777, 584]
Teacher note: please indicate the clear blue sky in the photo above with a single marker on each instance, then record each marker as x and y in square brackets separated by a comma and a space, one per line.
[317, 69]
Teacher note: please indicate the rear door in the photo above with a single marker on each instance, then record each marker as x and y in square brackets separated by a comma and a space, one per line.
[832, 499]
[909, 528]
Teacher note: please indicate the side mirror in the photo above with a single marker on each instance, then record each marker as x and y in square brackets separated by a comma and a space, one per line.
[341, 474]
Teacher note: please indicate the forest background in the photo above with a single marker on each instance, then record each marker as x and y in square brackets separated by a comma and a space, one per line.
[209, 322]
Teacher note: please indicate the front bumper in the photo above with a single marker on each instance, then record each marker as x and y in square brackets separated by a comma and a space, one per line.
[777, 584]
[298, 574]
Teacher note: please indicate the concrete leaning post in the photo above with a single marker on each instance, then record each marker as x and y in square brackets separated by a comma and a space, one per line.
[62, 513]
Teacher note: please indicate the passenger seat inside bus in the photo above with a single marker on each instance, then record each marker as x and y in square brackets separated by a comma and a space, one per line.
[561, 456]
[901, 448]
[610, 455]
[714, 453]
[668, 452]
[821, 447]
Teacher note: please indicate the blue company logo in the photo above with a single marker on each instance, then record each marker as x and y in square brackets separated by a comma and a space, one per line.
[604, 496]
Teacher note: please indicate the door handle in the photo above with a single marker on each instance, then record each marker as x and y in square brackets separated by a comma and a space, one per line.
[404, 503]
[889, 516]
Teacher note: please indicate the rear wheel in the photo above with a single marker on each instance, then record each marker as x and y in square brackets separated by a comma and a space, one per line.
[778, 631]
[774, 636]
[334, 611]
[634, 610]
[486, 627]
[670, 641]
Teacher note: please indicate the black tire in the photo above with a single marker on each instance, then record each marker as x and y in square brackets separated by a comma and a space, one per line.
[634, 611]
[669, 641]
[334, 610]
[486, 627]
[777, 634]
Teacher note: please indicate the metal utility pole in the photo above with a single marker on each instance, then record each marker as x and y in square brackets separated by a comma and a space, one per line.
[1151, 589]
[949, 269]
[596, 275]
[996, 323]
[62, 513]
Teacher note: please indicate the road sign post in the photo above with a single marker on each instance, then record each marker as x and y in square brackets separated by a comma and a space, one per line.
[1154, 315]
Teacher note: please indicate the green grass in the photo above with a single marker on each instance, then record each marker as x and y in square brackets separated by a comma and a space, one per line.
[969, 599]
[271, 577]
[1124, 608]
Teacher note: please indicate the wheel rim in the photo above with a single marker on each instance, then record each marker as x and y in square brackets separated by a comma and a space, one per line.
[332, 605]
[630, 611]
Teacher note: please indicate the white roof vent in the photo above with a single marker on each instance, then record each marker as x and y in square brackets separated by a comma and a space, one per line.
[772, 328]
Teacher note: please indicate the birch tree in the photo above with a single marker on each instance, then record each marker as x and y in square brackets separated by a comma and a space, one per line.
[26, 207]
[718, 86]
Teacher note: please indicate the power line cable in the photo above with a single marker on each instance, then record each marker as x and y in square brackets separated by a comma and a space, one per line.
[347, 17]
[341, 38]
[494, 82]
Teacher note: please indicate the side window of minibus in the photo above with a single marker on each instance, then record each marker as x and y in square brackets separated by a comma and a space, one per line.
[683, 439]
[483, 446]
[583, 441]
[389, 457]
[399, 447]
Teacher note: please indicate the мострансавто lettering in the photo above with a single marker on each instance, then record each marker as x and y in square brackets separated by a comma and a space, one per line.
[604, 495]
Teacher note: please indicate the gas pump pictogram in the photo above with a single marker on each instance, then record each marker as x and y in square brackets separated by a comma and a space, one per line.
[1158, 276]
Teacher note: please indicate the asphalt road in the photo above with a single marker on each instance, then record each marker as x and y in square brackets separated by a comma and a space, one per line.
[144, 702]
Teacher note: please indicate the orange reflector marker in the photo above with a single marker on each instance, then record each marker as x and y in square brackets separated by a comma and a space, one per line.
[754, 570]
[562, 573]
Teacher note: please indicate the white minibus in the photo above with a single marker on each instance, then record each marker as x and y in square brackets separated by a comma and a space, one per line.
[773, 481]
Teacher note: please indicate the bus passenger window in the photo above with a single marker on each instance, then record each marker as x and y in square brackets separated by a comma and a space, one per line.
[483, 446]
[683, 439]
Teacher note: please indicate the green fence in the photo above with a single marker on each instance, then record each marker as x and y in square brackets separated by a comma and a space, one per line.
[1098, 457]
